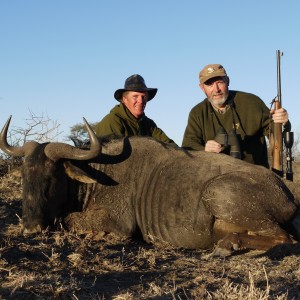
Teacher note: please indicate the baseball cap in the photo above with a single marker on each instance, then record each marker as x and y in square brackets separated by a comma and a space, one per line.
[211, 71]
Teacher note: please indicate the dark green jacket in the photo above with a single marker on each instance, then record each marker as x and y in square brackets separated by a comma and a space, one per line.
[251, 118]
[120, 122]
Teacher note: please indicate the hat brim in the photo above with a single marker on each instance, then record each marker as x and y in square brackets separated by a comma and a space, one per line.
[151, 93]
[212, 76]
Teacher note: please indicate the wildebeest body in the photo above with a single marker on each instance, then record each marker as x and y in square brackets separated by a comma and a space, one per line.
[176, 196]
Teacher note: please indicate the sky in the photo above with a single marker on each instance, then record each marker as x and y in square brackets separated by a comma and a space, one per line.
[66, 58]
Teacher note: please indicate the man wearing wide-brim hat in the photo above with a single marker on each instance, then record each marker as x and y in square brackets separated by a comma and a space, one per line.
[128, 117]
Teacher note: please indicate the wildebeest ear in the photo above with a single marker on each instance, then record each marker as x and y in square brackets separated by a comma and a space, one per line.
[77, 174]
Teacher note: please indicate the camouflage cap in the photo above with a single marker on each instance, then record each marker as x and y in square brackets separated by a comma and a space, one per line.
[211, 71]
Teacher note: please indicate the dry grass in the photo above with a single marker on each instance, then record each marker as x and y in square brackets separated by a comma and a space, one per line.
[64, 265]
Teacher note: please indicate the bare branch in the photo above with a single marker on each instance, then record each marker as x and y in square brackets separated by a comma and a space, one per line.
[40, 128]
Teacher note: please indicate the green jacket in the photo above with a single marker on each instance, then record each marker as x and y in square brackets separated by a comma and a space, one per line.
[252, 123]
[120, 122]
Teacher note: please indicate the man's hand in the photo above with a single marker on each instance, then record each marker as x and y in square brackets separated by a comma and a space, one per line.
[280, 115]
[213, 146]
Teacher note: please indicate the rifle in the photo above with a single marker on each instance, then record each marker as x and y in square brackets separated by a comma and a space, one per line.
[279, 136]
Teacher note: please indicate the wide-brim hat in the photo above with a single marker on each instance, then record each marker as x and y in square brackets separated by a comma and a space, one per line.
[135, 83]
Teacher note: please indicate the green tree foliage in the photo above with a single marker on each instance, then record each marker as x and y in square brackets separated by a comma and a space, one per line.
[79, 134]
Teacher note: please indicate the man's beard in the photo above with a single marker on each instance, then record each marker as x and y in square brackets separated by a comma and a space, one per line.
[219, 102]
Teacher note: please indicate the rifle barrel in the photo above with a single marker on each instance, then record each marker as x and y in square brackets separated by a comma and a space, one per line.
[279, 54]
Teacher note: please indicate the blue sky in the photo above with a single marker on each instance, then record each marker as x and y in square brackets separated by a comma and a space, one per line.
[66, 58]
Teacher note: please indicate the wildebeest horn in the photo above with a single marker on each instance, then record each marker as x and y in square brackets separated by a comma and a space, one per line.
[55, 151]
[11, 150]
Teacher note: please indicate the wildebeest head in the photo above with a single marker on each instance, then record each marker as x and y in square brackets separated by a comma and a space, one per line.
[44, 179]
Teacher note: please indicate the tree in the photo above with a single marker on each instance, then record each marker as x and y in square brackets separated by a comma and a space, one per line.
[39, 128]
[79, 134]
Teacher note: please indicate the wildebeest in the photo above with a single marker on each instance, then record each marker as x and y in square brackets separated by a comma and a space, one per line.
[138, 185]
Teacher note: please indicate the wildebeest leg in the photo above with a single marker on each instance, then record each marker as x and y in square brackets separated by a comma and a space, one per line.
[91, 220]
[237, 239]
[250, 207]
[97, 219]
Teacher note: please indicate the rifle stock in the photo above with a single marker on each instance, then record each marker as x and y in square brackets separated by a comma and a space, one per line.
[277, 161]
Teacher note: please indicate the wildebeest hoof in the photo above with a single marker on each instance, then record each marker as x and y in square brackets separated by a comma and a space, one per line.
[225, 246]
[222, 252]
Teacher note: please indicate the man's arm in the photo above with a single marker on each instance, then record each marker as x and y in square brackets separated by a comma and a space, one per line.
[110, 125]
[193, 139]
[159, 135]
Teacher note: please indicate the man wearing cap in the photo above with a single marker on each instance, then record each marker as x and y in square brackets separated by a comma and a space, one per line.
[235, 113]
[128, 117]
